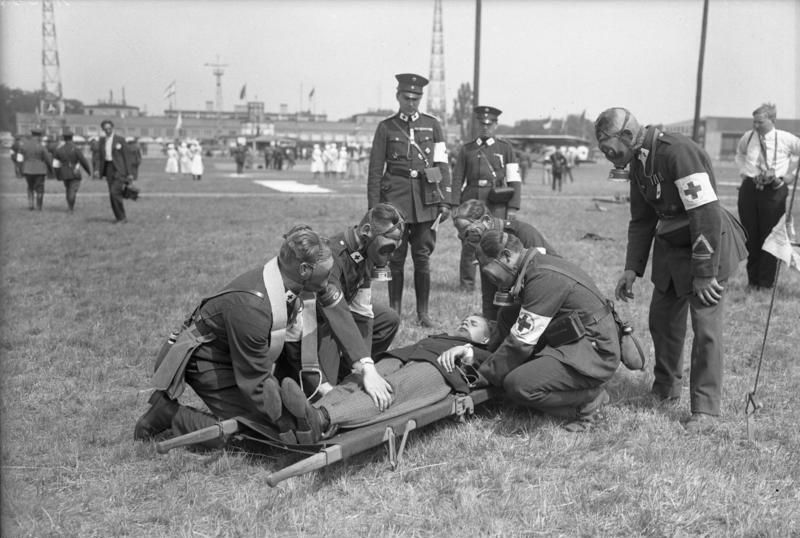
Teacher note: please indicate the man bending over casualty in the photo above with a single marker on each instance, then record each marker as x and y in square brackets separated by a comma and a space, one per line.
[418, 375]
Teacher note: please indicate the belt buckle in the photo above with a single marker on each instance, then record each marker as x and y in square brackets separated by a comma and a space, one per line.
[483, 182]
[413, 174]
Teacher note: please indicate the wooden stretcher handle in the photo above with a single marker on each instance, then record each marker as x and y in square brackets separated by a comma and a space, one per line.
[311, 463]
[209, 433]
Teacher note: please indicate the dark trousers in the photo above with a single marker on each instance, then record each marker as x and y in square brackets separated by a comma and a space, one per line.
[35, 183]
[215, 384]
[115, 186]
[422, 240]
[239, 167]
[71, 187]
[668, 329]
[759, 212]
[550, 386]
[557, 180]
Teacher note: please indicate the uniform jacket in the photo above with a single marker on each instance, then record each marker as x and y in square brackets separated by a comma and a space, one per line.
[119, 156]
[428, 349]
[36, 159]
[528, 235]
[548, 295]
[351, 274]
[394, 159]
[674, 207]
[480, 165]
[70, 160]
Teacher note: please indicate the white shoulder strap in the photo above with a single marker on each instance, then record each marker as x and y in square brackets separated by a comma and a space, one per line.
[277, 300]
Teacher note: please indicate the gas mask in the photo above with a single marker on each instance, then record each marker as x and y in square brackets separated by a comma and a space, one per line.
[619, 175]
[501, 275]
[379, 250]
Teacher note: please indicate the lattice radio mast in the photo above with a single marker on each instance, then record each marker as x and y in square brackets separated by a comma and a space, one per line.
[437, 103]
[218, 72]
[52, 98]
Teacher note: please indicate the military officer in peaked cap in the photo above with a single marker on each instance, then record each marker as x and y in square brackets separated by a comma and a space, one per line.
[408, 168]
[486, 169]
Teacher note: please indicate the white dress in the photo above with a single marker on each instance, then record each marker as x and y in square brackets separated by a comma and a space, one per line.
[316, 161]
[172, 161]
[197, 161]
[185, 160]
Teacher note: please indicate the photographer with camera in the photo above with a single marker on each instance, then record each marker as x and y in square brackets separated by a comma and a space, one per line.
[112, 164]
[764, 156]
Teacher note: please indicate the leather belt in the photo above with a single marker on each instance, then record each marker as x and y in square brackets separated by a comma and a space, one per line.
[596, 316]
[405, 172]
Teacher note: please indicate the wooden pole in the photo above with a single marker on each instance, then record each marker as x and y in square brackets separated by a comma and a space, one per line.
[476, 77]
[699, 90]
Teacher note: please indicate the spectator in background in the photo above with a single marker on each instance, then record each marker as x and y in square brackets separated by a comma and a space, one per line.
[134, 156]
[277, 158]
[290, 158]
[268, 151]
[239, 152]
[67, 163]
[547, 169]
[559, 163]
[112, 164]
[570, 163]
[172, 167]
[196, 154]
[15, 150]
[35, 162]
[185, 160]
[317, 162]
[764, 156]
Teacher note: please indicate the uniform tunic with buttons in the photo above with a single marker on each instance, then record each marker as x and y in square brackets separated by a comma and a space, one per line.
[396, 166]
[674, 208]
[480, 165]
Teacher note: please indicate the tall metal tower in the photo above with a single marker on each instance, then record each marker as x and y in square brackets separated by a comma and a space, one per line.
[437, 102]
[51, 103]
[218, 72]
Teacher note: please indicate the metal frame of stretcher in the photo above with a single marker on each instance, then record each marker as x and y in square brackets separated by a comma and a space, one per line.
[344, 444]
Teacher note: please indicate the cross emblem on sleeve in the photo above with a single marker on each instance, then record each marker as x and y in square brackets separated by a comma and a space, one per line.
[524, 323]
[692, 190]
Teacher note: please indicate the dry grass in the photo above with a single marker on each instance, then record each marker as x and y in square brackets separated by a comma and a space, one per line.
[85, 305]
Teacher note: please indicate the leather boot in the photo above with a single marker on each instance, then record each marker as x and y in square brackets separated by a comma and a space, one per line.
[157, 419]
[396, 292]
[39, 200]
[422, 287]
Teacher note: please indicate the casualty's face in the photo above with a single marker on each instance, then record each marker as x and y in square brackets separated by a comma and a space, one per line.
[409, 102]
[475, 328]
[762, 124]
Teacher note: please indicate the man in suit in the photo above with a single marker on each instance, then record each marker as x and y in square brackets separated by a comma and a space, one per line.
[408, 168]
[68, 161]
[35, 162]
[112, 164]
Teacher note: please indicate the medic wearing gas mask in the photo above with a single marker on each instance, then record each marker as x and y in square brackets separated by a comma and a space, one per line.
[472, 219]
[229, 347]
[557, 340]
[697, 245]
[361, 255]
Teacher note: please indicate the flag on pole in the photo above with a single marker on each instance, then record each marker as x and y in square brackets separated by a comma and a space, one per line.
[179, 122]
[170, 91]
[777, 243]
[311, 93]
[548, 123]
[243, 93]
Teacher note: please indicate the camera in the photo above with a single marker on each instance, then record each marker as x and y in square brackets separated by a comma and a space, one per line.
[129, 192]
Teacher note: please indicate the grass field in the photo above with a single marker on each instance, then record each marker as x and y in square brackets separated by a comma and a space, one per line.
[85, 305]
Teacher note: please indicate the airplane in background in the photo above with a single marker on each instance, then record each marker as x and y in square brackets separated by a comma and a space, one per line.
[545, 144]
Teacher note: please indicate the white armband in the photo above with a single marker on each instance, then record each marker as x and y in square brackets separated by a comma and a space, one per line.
[512, 173]
[440, 152]
[56, 163]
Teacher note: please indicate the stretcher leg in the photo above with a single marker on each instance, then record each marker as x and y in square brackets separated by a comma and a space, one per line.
[321, 459]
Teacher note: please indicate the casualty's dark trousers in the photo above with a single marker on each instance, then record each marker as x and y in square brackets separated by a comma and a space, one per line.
[115, 186]
[759, 212]
[668, 329]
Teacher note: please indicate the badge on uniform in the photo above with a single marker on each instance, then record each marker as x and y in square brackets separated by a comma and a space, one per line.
[357, 257]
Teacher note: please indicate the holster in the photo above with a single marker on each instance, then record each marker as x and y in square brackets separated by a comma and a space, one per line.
[500, 195]
[432, 194]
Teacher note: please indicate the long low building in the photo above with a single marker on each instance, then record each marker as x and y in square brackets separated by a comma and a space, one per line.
[719, 135]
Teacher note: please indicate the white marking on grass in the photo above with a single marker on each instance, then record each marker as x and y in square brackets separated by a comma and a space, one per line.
[291, 186]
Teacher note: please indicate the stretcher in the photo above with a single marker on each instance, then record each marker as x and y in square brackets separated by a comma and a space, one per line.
[344, 444]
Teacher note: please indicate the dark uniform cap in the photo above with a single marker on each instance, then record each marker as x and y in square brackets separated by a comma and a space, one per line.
[409, 82]
[36, 132]
[67, 133]
[486, 114]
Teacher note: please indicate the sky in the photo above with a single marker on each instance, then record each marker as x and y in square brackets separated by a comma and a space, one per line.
[538, 59]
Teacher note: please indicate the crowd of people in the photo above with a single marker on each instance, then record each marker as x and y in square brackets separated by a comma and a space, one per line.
[298, 344]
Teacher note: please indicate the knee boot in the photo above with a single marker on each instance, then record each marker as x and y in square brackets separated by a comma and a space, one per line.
[396, 292]
[422, 287]
[39, 200]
